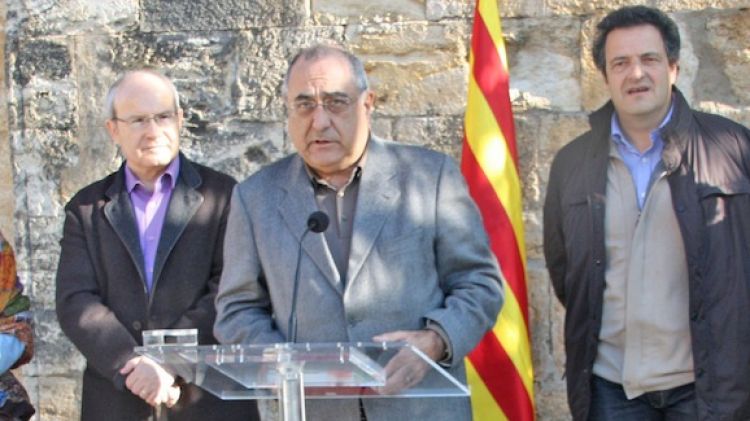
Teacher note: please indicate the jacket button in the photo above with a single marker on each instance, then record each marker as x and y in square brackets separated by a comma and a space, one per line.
[598, 262]
[137, 325]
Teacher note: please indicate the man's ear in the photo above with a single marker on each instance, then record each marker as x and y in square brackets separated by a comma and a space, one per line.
[111, 127]
[369, 102]
[674, 71]
[180, 118]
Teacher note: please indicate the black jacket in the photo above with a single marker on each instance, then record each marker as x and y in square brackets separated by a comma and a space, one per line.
[102, 304]
[707, 158]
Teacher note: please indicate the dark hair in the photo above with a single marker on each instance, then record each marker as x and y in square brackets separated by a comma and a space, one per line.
[321, 51]
[630, 16]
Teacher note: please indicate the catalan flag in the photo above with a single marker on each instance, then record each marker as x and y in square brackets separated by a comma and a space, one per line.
[499, 369]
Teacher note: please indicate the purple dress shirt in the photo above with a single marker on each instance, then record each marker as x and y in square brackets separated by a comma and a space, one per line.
[150, 209]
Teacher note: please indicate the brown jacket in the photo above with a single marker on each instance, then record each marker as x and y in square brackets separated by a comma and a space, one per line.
[708, 161]
[102, 304]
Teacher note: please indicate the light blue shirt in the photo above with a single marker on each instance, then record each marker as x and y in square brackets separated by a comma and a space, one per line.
[640, 164]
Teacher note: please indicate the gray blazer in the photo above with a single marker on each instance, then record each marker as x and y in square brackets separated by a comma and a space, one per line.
[418, 252]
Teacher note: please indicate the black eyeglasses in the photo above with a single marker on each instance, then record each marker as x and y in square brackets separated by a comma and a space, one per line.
[140, 122]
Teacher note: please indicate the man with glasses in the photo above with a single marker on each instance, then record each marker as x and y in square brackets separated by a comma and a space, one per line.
[405, 257]
[142, 249]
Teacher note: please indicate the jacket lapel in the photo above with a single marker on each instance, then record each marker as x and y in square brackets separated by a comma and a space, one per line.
[378, 196]
[184, 203]
[119, 213]
[295, 207]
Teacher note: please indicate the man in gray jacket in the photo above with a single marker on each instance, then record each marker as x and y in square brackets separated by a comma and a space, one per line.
[647, 241]
[405, 258]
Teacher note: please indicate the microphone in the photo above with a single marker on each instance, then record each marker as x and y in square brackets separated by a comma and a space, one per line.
[317, 222]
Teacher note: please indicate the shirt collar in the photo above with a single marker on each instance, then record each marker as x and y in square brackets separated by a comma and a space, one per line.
[172, 170]
[316, 181]
[619, 137]
[319, 182]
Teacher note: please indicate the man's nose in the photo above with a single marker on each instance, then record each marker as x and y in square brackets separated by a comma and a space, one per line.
[150, 127]
[636, 70]
[320, 118]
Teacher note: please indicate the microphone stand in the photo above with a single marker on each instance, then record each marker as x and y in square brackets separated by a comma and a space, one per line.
[317, 222]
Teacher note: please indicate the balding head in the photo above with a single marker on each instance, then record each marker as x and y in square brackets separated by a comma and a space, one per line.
[110, 101]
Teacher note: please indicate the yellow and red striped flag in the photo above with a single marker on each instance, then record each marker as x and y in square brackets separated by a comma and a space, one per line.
[499, 369]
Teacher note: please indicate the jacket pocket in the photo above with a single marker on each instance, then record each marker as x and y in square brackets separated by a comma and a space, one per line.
[732, 188]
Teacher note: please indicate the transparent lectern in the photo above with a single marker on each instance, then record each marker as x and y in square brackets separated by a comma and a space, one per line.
[293, 372]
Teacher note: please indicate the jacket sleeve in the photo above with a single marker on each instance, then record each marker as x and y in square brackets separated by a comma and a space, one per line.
[554, 239]
[466, 267]
[91, 326]
[243, 303]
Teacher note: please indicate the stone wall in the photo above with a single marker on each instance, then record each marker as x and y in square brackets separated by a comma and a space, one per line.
[227, 58]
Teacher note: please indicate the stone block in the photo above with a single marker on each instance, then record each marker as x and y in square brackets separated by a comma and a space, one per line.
[262, 60]
[594, 91]
[7, 199]
[338, 12]
[540, 134]
[39, 168]
[49, 105]
[581, 7]
[547, 320]
[728, 35]
[449, 9]
[41, 58]
[414, 68]
[444, 134]
[210, 15]
[543, 59]
[738, 114]
[59, 399]
[54, 354]
[436, 10]
[70, 17]
[238, 147]
[382, 126]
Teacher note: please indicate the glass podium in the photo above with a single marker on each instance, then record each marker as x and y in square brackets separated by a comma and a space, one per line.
[293, 372]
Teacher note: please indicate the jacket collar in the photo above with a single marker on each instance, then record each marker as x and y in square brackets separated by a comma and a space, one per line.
[674, 144]
[184, 203]
[378, 192]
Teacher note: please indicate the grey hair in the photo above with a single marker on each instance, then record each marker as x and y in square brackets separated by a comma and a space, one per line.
[321, 51]
[109, 101]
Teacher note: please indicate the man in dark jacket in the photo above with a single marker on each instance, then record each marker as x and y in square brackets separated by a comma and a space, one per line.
[142, 249]
[647, 241]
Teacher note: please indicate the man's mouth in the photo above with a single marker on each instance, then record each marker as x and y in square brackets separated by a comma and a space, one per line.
[638, 90]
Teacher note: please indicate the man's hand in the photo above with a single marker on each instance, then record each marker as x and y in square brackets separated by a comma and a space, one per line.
[149, 381]
[405, 369]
